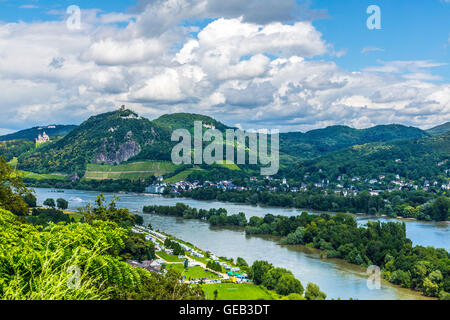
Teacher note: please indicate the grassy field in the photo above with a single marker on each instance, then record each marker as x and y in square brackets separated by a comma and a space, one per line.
[202, 260]
[131, 171]
[232, 291]
[45, 176]
[180, 176]
[168, 257]
[230, 166]
[184, 174]
[194, 272]
[75, 215]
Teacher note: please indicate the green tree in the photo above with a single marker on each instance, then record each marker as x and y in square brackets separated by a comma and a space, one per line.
[136, 247]
[440, 208]
[430, 288]
[258, 270]
[282, 281]
[62, 204]
[108, 212]
[12, 190]
[241, 262]
[313, 292]
[49, 203]
[30, 200]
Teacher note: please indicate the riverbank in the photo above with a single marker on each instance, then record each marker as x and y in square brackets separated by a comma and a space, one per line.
[217, 285]
[358, 252]
[336, 279]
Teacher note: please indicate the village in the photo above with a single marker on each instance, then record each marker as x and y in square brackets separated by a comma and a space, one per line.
[342, 185]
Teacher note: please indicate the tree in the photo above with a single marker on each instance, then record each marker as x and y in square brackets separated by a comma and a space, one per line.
[12, 190]
[62, 204]
[30, 200]
[241, 262]
[313, 292]
[440, 208]
[140, 220]
[258, 270]
[186, 263]
[136, 247]
[288, 284]
[109, 212]
[50, 203]
[430, 288]
[282, 281]
[216, 293]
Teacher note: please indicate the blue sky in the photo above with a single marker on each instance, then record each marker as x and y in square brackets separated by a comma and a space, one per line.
[257, 64]
[411, 30]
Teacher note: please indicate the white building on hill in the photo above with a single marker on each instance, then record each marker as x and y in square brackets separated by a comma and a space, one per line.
[42, 138]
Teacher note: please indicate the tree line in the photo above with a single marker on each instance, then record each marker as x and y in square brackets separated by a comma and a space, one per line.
[215, 217]
[409, 204]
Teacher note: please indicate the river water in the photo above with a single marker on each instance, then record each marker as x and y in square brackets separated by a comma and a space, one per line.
[337, 278]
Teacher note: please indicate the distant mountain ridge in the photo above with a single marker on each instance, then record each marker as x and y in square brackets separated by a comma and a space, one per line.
[317, 142]
[443, 128]
[412, 159]
[32, 133]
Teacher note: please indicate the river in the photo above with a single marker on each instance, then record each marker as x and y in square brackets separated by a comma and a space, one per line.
[337, 278]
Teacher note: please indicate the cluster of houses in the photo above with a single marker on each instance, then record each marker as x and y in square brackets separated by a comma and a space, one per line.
[177, 187]
[344, 185]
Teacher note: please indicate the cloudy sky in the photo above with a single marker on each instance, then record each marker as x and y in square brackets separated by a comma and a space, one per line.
[285, 64]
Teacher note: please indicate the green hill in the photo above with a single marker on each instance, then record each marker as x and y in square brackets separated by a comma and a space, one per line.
[109, 138]
[14, 148]
[176, 121]
[321, 141]
[443, 128]
[32, 133]
[412, 159]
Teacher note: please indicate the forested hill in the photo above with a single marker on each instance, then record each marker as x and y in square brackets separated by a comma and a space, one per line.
[186, 121]
[108, 138]
[412, 159]
[32, 133]
[439, 129]
[321, 141]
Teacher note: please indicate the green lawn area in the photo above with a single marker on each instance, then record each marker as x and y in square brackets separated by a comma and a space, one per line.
[230, 166]
[194, 272]
[39, 176]
[233, 291]
[168, 257]
[76, 216]
[181, 176]
[132, 171]
[203, 260]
